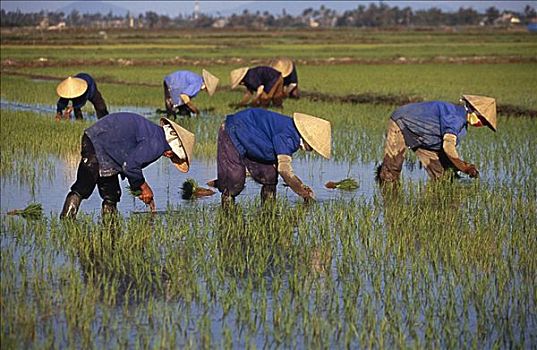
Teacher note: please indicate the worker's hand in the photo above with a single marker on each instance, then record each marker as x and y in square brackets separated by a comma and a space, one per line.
[147, 193]
[58, 116]
[309, 196]
[471, 170]
[67, 112]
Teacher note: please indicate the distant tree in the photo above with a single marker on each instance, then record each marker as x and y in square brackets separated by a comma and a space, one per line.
[491, 14]
[73, 19]
[151, 18]
[466, 16]
[529, 13]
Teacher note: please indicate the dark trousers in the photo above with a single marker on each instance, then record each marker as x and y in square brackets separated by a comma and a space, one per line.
[98, 103]
[87, 176]
[172, 111]
[231, 168]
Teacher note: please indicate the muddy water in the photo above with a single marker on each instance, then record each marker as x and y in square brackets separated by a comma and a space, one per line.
[166, 182]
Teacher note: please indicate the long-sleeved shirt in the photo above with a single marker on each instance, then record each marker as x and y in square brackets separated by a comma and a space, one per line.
[80, 101]
[262, 135]
[183, 82]
[424, 124]
[125, 143]
[262, 75]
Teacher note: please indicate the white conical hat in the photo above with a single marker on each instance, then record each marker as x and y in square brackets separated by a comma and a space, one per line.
[71, 87]
[486, 106]
[237, 75]
[282, 65]
[187, 140]
[316, 132]
[210, 81]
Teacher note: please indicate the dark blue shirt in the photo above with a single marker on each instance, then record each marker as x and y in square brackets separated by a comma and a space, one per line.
[125, 143]
[424, 124]
[80, 101]
[262, 135]
[183, 82]
[262, 75]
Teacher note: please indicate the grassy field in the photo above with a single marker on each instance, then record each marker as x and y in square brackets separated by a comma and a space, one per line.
[444, 265]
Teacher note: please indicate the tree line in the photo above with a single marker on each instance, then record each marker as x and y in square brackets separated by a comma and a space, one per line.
[373, 15]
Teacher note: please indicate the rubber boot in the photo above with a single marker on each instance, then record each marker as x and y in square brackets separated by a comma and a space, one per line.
[268, 193]
[71, 205]
[108, 208]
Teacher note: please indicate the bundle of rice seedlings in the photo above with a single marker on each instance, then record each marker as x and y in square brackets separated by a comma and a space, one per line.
[192, 190]
[33, 211]
[348, 184]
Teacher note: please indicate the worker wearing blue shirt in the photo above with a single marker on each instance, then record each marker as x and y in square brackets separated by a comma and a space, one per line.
[78, 90]
[123, 144]
[182, 86]
[433, 130]
[263, 142]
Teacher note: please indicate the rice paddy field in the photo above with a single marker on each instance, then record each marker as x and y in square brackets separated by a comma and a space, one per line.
[450, 264]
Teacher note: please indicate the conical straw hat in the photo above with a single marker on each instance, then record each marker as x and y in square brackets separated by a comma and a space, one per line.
[282, 65]
[485, 106]
[187, 139]
[210, 81]
[316, 132]
[71, 87]
[237, 75]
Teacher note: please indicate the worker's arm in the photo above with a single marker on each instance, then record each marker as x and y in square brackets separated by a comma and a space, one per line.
[187, 101]
[449, 145]
[286, 171]
[60, 107]
[147, 193]
[258, 94]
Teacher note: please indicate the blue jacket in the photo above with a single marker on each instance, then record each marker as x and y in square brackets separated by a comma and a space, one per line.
[424, 124]
[262, 75]
[262, 135]
[183, 82]
[79, 102]
[125, 143]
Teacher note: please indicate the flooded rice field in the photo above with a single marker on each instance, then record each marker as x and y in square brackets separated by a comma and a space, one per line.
[429, 265]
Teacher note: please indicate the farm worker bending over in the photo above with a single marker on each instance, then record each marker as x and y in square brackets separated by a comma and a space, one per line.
[433, 130]
[263, 86]
[79, 89]
[182, 86]
[125, 143]
[264, 141]
[290, 77]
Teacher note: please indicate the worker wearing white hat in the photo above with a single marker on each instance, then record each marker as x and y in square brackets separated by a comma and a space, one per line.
[433, 130]
[123, 144]
[289, 74]
[78, 90]
[263, 142]
[182, 86]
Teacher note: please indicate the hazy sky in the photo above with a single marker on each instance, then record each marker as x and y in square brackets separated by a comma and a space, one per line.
[173, 8]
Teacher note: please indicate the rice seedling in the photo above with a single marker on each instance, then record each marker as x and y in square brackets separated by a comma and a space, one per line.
[348, 184]
[33, 211]
[191, 190]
